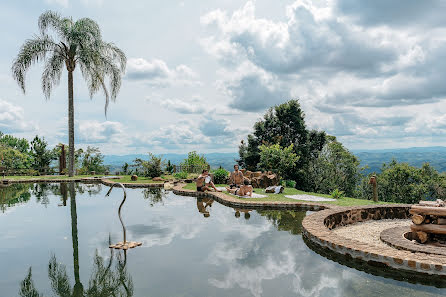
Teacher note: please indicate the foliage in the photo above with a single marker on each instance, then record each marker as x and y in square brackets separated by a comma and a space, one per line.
[78, 154]
[180, 175]
[14, 159]
[289, 183]
[220, 175]
[125, 168]
[278, 160]
[337, 194]
[169, 167]
[151, 168]
[284, 124]
[334, 168]
[92, 160]
[41, 155]
[20, 144]
[400, 182]
[194, 163]
[285, 220]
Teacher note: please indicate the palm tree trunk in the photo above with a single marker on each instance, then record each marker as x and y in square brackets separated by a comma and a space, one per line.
[70, 125]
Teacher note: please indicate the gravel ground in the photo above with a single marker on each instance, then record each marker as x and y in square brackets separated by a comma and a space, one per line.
[369, 231]
[309, 198]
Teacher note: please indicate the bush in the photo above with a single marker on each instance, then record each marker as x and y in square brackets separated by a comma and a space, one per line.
[220, 176]
[289, 183]
[180, 175]
[279, 160]
[336, 194]
[151, 168]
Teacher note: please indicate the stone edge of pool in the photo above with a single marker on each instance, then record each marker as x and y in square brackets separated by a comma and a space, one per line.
[318, 227]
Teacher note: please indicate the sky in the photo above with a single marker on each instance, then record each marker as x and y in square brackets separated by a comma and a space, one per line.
[200, 73]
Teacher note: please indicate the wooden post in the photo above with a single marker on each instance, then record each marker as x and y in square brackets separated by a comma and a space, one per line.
[62, 160]
[374, 188]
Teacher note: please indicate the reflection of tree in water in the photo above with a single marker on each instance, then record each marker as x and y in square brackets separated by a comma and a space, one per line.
[155, 195]
[105, 280]
[285, 220]
[14, 194]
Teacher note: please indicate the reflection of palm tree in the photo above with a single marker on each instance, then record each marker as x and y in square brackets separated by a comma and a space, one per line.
[104, 280]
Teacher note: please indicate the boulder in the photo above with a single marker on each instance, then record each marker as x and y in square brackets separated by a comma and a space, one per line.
[243, 171]
[264, 180]
[134, 177]
[157, 179]
[256, 174]
[247, 174]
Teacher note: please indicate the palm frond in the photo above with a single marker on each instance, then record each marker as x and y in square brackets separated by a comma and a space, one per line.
[27, 288]
[31, 52]
[59, 280]
[53, 20]
[52, 73]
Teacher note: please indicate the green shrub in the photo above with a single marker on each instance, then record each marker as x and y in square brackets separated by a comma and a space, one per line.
[180, 175]
[220, 175]
[289, 183]
[336, 194]
[151, 168]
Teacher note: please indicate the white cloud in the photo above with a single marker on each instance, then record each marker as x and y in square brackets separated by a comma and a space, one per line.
[94, 132]
[156, 73]
[12, 118]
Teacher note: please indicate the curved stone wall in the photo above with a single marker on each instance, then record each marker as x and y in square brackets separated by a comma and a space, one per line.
[317, 229]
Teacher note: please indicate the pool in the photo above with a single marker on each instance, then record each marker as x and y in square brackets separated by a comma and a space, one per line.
[54, 241]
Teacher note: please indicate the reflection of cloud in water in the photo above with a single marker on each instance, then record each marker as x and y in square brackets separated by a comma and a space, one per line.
[164, 230]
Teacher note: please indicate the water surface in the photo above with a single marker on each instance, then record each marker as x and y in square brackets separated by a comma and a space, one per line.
[54, 241]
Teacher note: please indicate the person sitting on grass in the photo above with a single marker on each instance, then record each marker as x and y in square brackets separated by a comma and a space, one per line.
[236, 177]
[204, 182]
[244, 190]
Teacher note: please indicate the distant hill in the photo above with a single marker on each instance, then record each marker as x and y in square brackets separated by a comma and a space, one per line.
[415, 156]
[225, 160]
[374, 159]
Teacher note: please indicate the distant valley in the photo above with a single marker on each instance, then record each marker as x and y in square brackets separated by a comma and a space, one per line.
[374, 159]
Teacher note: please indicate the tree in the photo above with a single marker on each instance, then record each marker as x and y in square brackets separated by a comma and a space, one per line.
[400, 182]
[284, 124]
[92, 160]
[78, 43]
[279, 160]
[13, 159]
[20, 144]
[152, 167]
[41, 155]
[334, 168]
[194, 162]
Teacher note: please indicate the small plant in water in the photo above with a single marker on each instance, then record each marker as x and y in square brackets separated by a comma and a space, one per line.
[336, 194]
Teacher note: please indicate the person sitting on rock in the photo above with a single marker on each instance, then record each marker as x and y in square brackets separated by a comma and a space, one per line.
[236, 178]
[204, 182]
[245, 190]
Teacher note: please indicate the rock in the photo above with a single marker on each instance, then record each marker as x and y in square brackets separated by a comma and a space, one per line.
[264, 180]
[272, 189]
[134, 177]
[157, 179]
[256, 174]
[243, 171]
[247, 174]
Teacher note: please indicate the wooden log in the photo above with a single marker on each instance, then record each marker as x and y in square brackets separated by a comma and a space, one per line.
[422, 236]
[418, 219]
[426, 210]
[429, 228]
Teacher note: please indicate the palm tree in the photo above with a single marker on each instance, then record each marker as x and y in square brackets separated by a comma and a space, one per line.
[64, 42]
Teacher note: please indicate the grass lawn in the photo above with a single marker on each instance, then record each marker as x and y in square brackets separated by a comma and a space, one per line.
[346, 201]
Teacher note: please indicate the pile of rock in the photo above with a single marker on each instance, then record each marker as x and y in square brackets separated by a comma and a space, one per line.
[260, 179]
